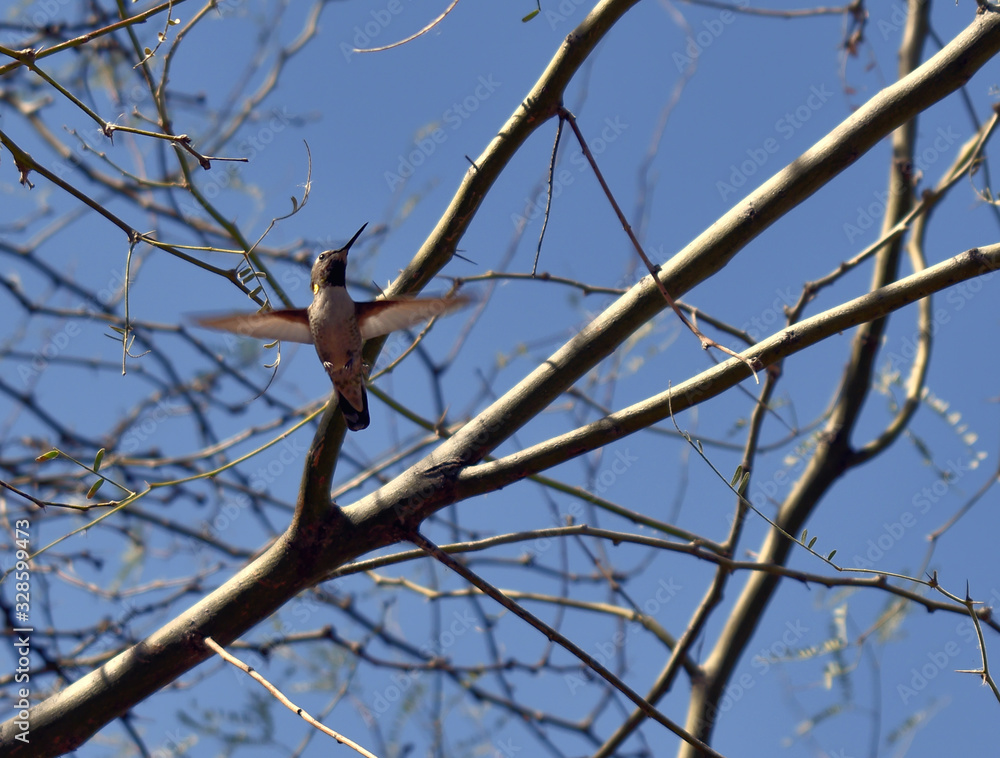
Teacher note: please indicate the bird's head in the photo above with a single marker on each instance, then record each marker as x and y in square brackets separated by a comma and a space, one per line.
[330, 268]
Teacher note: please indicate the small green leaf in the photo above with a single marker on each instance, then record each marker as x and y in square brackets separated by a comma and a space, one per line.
[805, 535]
[529, 16]
[737, 475]
[255, 291]
[94, 487]
[812, 542]
[47, 456]
[743, 484]
[830, 556]
[98, 458]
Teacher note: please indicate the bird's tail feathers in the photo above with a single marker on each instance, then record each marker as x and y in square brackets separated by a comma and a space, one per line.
[356, 420]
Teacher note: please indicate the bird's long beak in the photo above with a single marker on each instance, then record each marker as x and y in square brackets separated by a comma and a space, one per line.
[357, 234]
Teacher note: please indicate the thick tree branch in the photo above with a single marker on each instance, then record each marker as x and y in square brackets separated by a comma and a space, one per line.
[491, 476]
[709, 252]
[834, 453]
[332, 536]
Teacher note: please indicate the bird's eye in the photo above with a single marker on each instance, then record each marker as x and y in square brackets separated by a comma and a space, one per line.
[321, 256]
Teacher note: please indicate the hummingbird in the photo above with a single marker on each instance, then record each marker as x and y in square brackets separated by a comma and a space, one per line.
[337, 326]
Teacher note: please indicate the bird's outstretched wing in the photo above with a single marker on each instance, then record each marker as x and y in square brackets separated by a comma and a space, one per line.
[291, 324]
[383, 316]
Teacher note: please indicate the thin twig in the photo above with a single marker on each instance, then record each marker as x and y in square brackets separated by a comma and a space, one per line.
[412, 37]
[706, 342]
[548, 196]
[434, 551]
[221, 652]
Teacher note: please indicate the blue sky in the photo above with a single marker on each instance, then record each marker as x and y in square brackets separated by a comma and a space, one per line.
[389, 134]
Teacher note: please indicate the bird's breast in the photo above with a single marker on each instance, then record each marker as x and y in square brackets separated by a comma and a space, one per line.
[334, 327]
